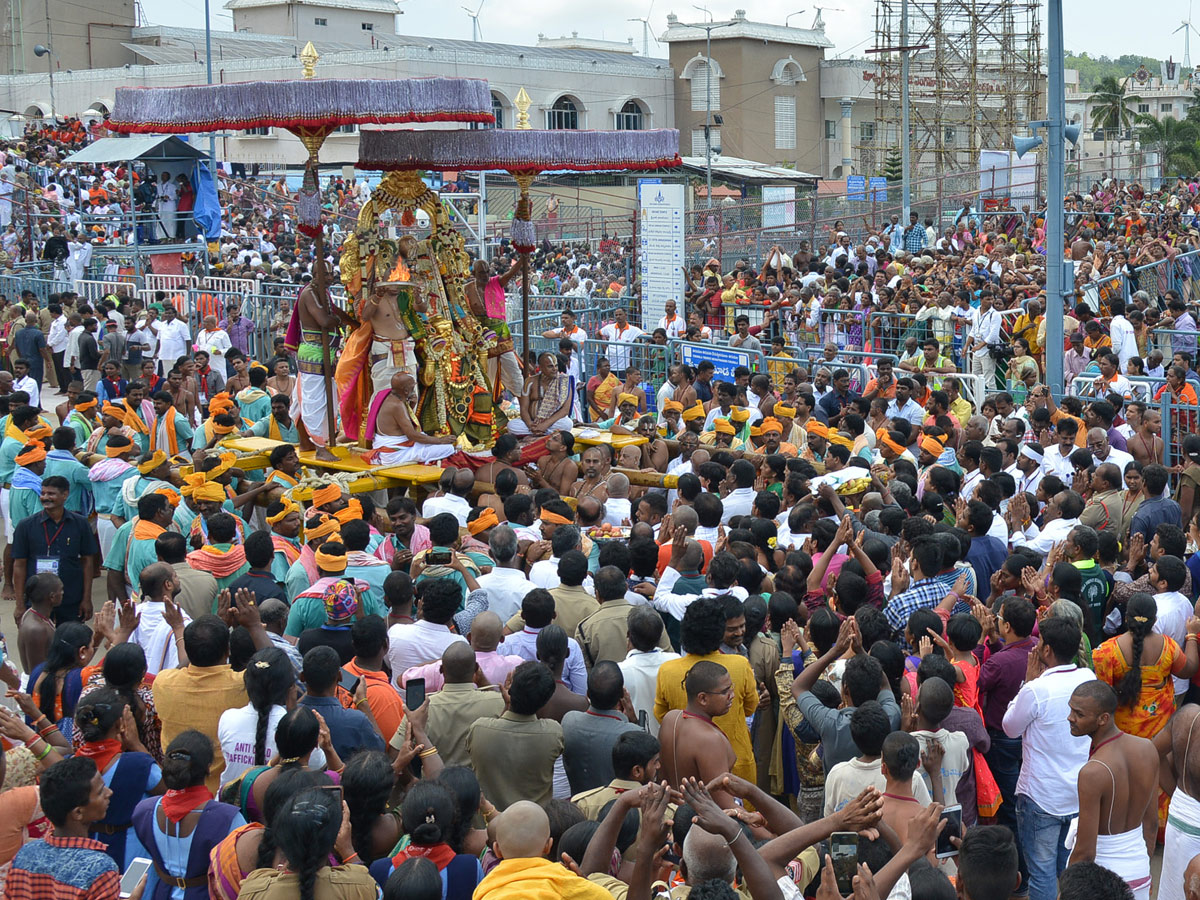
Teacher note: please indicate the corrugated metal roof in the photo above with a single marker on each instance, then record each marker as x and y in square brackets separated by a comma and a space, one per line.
[747, 170]
[141, 146]
[383, 6]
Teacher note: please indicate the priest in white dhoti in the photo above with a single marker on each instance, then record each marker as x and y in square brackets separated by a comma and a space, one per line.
[166, 207]
[396, 437]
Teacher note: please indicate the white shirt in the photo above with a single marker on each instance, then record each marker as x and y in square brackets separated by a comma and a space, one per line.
[72, 358]
[506, 590]
[235, 733]
[618, 357]
[29, 385]
[665, 601]
[674, 327]
[640, 670]
[956, 761]
[173, 340]
[416, 643]
[1118, 458]
[970, 482]
[1124, 341]
[1051, 755]
[617, 510]
[911, 411]
[1041, 540]
[715, 413]
[986, 329]
[216, 344]
[846, 780]
[1054, 463]
[449, 503]
[155, 638]
[739, 503]
[1173, 611]
[57, 338]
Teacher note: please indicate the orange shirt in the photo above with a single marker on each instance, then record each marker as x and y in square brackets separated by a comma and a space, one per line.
[384, 700]
[1187, 395]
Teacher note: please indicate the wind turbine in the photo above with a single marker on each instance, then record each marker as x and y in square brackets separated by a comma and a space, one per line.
[645, 20]
[1187, 28]
[476, 31]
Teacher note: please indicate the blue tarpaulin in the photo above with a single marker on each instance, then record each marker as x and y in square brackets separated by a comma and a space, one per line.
[208, 206]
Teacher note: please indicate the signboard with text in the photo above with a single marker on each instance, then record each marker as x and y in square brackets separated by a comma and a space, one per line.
[723, 359]
[660, 247]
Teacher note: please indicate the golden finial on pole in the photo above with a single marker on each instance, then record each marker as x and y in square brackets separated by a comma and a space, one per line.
[522, 103]
[309, 58]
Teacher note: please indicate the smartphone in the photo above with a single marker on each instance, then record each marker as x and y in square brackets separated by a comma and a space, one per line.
[349, 681]
[843, 848]
[952, 816]
[439, 557]
[137, 868]
[414, 693]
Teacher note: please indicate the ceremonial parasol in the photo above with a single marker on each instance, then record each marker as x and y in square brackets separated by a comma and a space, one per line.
[523, 153]
[311, 109]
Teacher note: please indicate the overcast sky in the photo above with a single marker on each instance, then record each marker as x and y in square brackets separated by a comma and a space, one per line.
[1097, 26]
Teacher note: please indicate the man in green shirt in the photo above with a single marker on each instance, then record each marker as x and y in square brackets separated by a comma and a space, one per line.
[1081, 547]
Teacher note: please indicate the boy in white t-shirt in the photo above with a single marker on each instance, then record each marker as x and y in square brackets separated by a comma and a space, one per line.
[869, 726]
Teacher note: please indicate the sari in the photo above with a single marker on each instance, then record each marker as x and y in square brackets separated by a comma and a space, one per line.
[602, 395]
[225, 875]
[1156, 702]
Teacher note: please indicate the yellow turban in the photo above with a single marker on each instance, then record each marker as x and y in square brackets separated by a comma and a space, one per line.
[172, 497]
[327, 494]
[152, 463]
[836, 437]
[813, 427]
[787, 412]
[932, 445]
[672, 405]
[209, 491]
[84, 407]
[352, 511]
[117, 412]
[755, 431]
[327, 526]
[112, 451]
[739, 415]
[288, 508]
[627, 398]
[32, 454]
[487, 519]
[39, 432]
[693, 412]
[770, 424]
[722, 426]
[227, 462]
[330, 562]
[884, 438]
[221, 402]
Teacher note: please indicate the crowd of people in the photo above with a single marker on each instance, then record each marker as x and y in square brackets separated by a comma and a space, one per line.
[900, 620]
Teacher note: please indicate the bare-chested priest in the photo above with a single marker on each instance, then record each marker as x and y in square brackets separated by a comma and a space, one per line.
[310, 405]
[397, 435]
[1118, 803]
[693, 745]
[1179, 749]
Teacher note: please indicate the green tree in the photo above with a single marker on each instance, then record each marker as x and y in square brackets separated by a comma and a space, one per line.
[1175, 141]
[1111, 107]
[893, 166]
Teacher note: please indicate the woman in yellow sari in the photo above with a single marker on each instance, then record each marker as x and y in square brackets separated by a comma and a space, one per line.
[602, 390]
[1139, 665]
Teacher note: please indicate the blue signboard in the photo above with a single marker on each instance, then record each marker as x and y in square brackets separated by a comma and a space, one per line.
[856, 187]
[879, 188]
[725, 361]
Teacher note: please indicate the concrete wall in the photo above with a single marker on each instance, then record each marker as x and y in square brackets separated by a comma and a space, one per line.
[82, 36]
[299, 20]
[748, 100]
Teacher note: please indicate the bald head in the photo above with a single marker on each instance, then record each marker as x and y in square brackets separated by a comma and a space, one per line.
[458, 663]
[485, 632]
[618, 485]
[274, 614]
[707, 856]
[154, 578]
[463, 482]
[589, 511]
[699, 457]
[403, 384]
[523, 832]
[685, 517]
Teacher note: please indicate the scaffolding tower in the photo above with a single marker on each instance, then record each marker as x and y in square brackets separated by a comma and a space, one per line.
[977, 81]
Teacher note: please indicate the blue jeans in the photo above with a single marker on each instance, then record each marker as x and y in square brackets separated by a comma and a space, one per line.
[1041, 839]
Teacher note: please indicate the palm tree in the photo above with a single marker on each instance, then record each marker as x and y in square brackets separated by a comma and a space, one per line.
[1111, 107]
[1176, 142]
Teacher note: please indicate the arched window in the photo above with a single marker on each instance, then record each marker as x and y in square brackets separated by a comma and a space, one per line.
[563, 115]
[631, 117]
[701, 98]
[498, 111]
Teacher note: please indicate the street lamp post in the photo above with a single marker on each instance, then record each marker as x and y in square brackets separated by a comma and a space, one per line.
[708, 75]
[46, 51]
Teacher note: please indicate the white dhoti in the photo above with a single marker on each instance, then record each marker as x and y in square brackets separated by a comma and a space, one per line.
[5, 498]
[1181, 843]
[518, 427]
[168, 215]
[106, 533]
[308, 401]
[395, 450]
[1125, 854]
[509, 369]
[389, 357]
